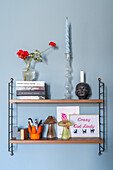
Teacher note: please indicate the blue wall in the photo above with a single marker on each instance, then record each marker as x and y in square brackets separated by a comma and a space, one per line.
[30, 25]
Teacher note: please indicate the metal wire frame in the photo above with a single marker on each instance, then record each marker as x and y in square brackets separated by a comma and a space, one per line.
[101, 117]
[10, 117]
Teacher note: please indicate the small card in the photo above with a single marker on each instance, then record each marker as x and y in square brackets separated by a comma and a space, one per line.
[84, 125]
[63, 114]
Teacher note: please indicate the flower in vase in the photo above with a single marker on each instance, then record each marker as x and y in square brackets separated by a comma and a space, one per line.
[22, 54]
[36, 55]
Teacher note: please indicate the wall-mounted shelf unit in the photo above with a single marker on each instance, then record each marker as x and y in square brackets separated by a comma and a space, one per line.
[100, 102]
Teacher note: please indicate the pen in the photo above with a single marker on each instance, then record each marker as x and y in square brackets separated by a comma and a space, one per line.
[40, 123]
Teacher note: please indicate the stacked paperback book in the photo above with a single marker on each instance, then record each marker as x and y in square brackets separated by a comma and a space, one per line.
[30, 89]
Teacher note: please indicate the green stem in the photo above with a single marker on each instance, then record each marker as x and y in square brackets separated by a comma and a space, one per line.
[46, 49]
[26, 62]
[26, 74]
[30, 62]
[27, 70]
[28, 66]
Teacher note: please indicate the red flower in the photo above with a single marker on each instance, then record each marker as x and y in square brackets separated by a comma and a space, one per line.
[19, 52]
[26, 53]
[52, 44]
[22, 54]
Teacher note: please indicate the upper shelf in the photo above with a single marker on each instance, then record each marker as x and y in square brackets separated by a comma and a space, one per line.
[55, 101]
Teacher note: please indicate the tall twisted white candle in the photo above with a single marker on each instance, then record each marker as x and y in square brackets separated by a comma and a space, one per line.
[68, 66]
[67, 37]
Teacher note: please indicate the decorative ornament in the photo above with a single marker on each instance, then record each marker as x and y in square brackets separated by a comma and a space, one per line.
[51, 131]
[83, 90]
[66, 130]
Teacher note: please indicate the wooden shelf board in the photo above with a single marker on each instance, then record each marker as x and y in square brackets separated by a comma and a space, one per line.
[56, 101]
[58, 141]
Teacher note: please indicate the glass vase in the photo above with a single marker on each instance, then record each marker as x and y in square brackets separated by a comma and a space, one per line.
[28, 74]
[66, 133]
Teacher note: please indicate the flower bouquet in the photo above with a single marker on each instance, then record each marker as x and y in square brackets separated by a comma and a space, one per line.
[29, 74]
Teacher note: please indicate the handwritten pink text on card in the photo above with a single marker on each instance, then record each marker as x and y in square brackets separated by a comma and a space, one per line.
[84, 120]
[83, 125]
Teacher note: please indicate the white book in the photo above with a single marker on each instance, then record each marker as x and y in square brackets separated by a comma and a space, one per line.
[30, 83]
[63, 114]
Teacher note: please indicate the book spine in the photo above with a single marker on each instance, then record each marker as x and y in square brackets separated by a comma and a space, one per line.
[30, 83]
[30, 93]
[30, 88]
[31, 97]
[23, 134]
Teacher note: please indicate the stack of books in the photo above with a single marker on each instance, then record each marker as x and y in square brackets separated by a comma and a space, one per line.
[30, 89]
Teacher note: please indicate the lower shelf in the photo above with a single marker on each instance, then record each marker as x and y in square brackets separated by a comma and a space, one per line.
[58, 141]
